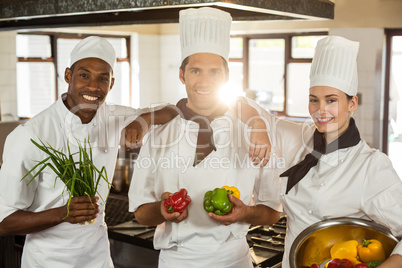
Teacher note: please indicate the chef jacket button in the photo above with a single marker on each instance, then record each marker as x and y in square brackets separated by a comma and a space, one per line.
[322, 184]
[105, 150]
[310, 211]
[342, 160]
[282, 194]
[94, 124]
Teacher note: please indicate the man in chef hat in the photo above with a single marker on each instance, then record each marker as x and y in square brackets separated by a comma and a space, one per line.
[39, 209]
[200, 151]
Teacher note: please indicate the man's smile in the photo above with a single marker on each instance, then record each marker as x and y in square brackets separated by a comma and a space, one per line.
[90, 98]
[203, 92]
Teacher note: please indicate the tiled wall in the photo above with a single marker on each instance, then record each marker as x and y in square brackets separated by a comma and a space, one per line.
[368, 114]
[149, 69]
[8, 70]
[172, 90]
[159, 61]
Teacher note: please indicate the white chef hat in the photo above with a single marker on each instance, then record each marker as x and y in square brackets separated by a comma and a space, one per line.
[334, 64]
[205, 30]
[94, 47]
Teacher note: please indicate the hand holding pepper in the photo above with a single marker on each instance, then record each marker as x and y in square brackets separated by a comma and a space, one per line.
[232, 190]
[177, 202]
[175, 217]
[238, 213]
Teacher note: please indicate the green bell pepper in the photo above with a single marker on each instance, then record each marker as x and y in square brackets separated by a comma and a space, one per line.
[374, 264]
[217, 201]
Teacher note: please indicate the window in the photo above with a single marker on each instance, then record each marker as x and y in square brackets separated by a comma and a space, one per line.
[35, 74]
[274, 70]
[235, 85]
[392, 122]
[42, 60]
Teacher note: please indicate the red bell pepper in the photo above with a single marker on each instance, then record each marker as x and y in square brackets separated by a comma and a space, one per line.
[361, 265]
[177, 202]
[338, 263]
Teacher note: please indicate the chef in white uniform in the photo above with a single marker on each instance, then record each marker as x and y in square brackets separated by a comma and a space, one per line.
[39, 209]
[342, 176]
[203, 148]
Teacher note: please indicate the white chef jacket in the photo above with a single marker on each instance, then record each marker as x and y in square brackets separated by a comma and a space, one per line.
[165, 164]
[64, 245]
[357, 182]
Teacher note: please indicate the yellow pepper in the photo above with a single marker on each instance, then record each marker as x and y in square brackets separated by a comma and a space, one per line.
[345, 250]
[232, 190]
[371, 250]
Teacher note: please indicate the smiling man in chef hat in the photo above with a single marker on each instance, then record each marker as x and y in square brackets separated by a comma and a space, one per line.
[207, 140]
[90, 79]
[39, 208]
[83, 99]
[205, 41]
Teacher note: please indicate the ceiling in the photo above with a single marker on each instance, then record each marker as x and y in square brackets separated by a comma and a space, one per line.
[30, 14]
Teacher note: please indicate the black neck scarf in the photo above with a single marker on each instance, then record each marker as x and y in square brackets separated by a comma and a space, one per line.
[350, 138]
[205, 140]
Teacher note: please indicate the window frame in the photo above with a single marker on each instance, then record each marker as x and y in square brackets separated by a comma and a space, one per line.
[53, 58]
[288, 59]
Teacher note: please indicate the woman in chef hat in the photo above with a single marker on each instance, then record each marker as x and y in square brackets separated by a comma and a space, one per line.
[342, 176]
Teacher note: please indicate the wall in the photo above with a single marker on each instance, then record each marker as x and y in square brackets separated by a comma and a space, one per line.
[368, 115]
[172, 89]
[149, 69]
[159, 62]
[8, 70]
[156, 61]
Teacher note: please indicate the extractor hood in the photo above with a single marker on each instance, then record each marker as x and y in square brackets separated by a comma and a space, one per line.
[29, 14]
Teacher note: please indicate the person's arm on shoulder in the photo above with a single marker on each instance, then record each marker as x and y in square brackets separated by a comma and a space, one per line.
[131, 135]
[260, 145]
[254, 215]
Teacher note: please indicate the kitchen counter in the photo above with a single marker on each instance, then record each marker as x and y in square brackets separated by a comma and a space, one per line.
[131, 241]
[133, 233]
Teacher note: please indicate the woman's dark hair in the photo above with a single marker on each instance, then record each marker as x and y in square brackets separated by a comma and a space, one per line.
[349, 97]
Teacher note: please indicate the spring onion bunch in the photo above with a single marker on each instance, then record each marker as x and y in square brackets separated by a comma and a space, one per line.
[81, 178]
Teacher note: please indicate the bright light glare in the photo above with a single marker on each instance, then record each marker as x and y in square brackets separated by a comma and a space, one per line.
[230, 92]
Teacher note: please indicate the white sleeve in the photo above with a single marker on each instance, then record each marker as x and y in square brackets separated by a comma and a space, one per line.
[397, 249]
[130, 114]
[287, 138]
[268, 186]
[142, 188]
[382, 196]
[19, 157]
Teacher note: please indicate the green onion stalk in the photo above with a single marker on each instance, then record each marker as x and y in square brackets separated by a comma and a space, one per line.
[81, 178]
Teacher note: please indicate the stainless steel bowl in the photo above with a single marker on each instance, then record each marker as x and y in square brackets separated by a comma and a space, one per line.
[314, 243]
